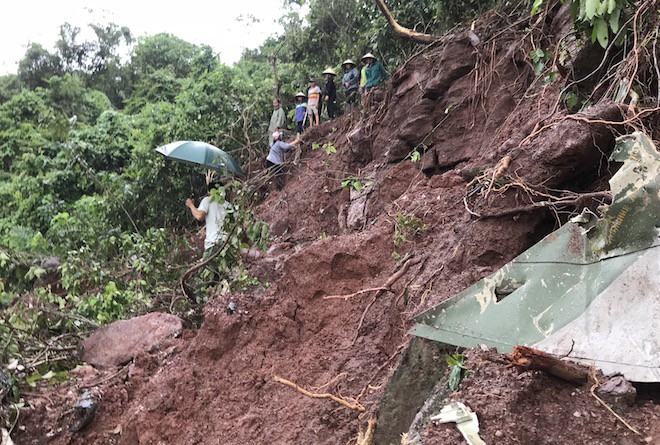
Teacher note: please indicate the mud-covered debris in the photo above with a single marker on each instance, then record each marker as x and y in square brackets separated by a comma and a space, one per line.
[84, 411]
[466, 421]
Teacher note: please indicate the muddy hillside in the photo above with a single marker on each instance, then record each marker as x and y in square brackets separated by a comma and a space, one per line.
[389, 211]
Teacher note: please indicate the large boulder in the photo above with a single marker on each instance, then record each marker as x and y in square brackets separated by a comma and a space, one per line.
[118, 343]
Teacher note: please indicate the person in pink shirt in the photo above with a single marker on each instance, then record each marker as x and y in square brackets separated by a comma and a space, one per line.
[313, 100]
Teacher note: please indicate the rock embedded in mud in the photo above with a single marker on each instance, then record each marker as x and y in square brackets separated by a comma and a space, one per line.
[118, 343]
[617, 392]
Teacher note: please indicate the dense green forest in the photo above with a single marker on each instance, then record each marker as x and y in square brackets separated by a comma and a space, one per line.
[93, 227]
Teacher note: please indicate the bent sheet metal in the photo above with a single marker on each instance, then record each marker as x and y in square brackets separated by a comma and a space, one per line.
[595, 282]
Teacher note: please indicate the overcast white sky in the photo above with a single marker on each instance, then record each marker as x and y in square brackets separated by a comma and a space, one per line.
[196, 21]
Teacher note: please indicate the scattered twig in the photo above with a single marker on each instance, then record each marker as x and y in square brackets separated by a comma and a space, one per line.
[106, 379]
[355, 406]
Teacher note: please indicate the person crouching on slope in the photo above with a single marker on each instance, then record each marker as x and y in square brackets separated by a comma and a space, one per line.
[275, 159]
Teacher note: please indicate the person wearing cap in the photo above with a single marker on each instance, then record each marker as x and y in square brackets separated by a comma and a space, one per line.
[277, 120]
[275, 158]
[375, 73]
[330, 97]
[301, 110]
[350, 81]
[313, 101]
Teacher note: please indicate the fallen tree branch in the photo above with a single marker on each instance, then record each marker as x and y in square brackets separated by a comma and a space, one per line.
[355, 406]
[530, 358]
[400, 31]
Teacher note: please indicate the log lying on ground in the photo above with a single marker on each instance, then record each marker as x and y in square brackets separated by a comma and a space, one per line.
[530, 358]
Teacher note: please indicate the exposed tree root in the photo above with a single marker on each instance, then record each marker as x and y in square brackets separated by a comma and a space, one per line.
[387, 287]
[547, 204]
[367, 438]
[355, 406]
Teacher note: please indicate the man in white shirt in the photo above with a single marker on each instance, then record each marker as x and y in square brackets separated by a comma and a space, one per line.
[213, 213]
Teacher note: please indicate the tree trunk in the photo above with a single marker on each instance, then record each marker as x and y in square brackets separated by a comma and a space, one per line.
[401, 31]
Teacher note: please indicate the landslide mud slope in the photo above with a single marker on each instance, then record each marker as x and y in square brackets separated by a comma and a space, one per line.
[465, 104]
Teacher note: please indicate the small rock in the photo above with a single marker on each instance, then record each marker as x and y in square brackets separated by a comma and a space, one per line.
[499, 433]
[577, 414]
[617, 392]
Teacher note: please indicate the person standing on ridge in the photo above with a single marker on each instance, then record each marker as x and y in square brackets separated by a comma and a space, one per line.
[330, 97]
[313, 101]
[363, 81]
[375, 73]
[301, 110]
[277, 120]
[275, 158]
[350, 82]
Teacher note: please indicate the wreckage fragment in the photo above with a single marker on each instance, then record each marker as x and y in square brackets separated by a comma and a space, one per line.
[594, 282]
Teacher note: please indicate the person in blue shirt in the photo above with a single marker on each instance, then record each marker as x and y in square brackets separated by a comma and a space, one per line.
[350, 82]
[301, 110]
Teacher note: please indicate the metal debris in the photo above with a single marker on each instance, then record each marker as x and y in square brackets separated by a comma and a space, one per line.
[466, 421]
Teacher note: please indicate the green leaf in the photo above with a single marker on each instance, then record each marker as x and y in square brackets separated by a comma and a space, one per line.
[535, 7]
[454, 378]
[451, 361]
[611, 5]
[590, 8]
[602, 7]
[357, 185]
[614, 20]
[602, 32]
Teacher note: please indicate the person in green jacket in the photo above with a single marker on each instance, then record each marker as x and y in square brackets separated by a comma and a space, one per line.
[277, 121]
[375, 72]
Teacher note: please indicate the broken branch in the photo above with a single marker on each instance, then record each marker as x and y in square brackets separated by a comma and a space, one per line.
[354, 406]
[401, 31]
[530, 358]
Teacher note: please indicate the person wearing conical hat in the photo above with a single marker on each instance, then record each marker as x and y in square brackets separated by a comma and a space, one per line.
[330, 96]
[375, 72]
[301, 110]
[350, 82]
